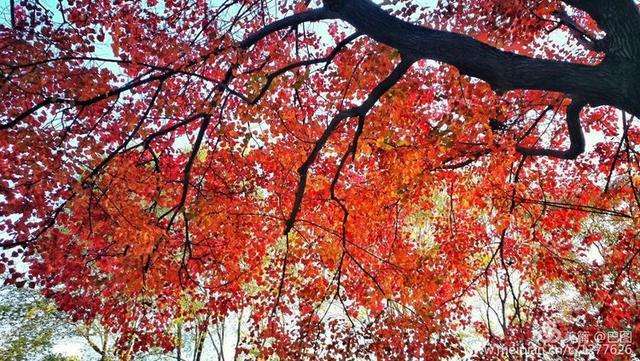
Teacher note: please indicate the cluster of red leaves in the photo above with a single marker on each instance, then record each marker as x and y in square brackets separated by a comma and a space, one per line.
[141, 182]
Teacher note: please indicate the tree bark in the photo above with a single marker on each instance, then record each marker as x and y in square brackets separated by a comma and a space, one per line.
[615, 81]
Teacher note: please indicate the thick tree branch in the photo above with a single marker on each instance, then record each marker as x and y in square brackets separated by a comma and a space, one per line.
[45, 226]
[576, 137]
[620, 19]
[598, 85]
[583, 36]
[26, 113]
[293, 20]
[12, 10]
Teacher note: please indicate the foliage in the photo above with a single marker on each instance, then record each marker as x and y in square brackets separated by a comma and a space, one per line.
[29, 325]
[382, 192]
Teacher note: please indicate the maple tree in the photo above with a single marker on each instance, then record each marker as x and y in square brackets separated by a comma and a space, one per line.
[347, 174]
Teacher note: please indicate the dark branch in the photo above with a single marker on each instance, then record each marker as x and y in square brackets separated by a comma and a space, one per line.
[293, 20]
[86, 102]
[272, 76]
[340, 46]
[130, 137]
[187, 169]
[619, 19]
[12, 10]
[150, 138]
[26, 113]
[576, 137]
[361, 111]
[585, 38]
[598, 85]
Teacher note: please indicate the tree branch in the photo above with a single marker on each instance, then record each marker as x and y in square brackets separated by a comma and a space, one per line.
[583, 36]
[86, 102]
[187, 170]
[272, 76]
[12, 10]
[293, 20]
[597, 85]
[576, 137]
[620, 19]
[361, 111]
